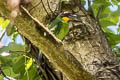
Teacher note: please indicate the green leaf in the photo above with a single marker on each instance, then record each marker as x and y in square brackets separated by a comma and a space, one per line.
[105, 23]
[118, 0]
[9, 71]
[100, 6]
[10, 29]
[107, 30]
[105, 13]
[113, 39]
[6, 61]
[83, 2]
[5, 23]
[14, 35]
[106, 2]
[1, 77]
[4, 49]
[19, 65]
[29, 63]
[118, 29]
[108, 21]
[31, 74]
[15, 47]
[115, 2]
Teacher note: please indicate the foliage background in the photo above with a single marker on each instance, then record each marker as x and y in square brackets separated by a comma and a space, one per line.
[15, 59]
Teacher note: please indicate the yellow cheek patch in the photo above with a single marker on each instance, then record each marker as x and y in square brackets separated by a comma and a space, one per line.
[66, 19]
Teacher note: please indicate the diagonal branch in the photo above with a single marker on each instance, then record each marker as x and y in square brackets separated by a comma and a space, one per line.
[62, 59]
[40, 24]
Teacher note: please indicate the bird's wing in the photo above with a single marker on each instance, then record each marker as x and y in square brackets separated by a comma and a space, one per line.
[63, 31]
[58, 27]
[55, 22]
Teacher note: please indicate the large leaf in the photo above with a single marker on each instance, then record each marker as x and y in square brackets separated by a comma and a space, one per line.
[113, 39]
[118, 29]
[29, 63]
[15, 47]
[116, 13]
[31, 74]
[9, 72]
[5, 23]
[105, 23]
[108, 21]
[105, 13]
[10, 29]
[101, 9]
[4, 49]
[19, 65]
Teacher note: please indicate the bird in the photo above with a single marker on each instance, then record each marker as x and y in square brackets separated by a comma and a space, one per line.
[60, 25]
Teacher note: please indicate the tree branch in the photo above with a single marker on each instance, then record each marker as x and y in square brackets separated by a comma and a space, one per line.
[55, 52]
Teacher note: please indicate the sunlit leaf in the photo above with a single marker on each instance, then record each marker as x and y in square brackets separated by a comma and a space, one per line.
[32, 74]
[118, 29]
[5, 23]
[14, 35]
[10, 29]
[29, 63]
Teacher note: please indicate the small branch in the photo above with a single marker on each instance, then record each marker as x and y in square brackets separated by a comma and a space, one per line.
[3, 74]
[40, 24]
[89, 3]
[45, 8]
[35, 6]
[2, 34]
[18, 51]
[50, 7]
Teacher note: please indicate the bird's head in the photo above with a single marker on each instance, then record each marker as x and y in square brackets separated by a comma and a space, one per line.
[66, 16]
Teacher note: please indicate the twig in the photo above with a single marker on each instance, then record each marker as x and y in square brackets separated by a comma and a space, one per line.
[50, 7]
[3, 74]
[41, 25]
[45, 8]
[17, 52]
[99, 12]
[2, 34]
[89, 3]
[44, 72]
[35, 6]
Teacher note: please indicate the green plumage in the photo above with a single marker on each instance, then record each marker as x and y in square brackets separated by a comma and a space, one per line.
[59, 27]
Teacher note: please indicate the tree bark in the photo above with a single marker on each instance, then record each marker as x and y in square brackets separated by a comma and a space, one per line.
[84, 51]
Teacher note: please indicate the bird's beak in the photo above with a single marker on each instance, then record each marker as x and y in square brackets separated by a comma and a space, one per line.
[74, 15]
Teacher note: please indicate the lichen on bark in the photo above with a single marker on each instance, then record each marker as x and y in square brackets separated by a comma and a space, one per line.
[84, 51]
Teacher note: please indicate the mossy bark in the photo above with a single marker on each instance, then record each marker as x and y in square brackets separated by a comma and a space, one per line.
[85, 49]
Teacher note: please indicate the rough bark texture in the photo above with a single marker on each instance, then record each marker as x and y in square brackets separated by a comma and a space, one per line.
[85, 47]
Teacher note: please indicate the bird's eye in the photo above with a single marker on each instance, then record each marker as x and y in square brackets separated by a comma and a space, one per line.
[70, 14]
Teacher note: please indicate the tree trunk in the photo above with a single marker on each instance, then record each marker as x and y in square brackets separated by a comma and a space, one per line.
[84, 51]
